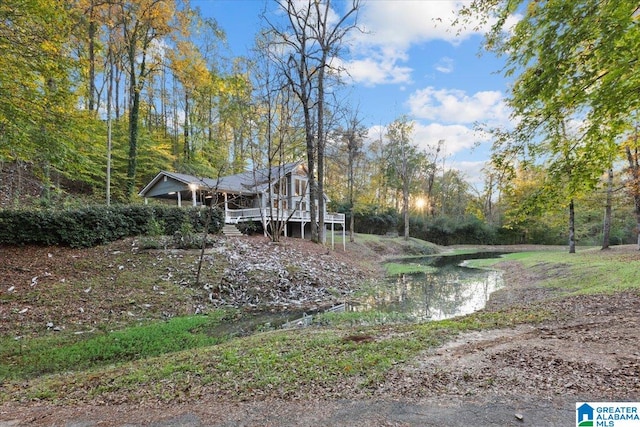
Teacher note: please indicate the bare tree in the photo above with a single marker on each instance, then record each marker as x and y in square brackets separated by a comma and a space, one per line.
[278, 119]
[311, 40]
[353, 136]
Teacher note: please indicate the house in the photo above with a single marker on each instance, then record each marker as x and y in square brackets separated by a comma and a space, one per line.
[279, 193]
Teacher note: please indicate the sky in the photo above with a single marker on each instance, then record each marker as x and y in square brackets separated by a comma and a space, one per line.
[410, 61]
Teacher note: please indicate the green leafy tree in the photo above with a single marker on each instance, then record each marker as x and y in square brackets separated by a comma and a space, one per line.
[35, 65]
[573, 61]
[405, 162]
[453, 195]
[143, 23]
[523, 201]
[39, 119]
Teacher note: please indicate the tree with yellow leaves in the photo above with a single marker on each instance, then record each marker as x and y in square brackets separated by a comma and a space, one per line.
[143, 24]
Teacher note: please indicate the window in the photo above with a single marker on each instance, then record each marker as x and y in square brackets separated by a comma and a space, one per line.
[280, 187]
[300, 187]
[280, 204]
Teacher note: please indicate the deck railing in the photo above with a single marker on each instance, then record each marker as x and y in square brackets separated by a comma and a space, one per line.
[233, 216]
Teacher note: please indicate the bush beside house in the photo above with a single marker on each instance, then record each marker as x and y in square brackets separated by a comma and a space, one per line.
[96, 225]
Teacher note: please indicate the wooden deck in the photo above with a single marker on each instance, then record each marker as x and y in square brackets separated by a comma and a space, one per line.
[234, 216]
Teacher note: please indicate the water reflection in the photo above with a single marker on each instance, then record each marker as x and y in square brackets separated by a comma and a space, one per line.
[452, 290]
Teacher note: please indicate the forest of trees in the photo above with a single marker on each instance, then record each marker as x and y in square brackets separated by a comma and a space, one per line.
[97, 96]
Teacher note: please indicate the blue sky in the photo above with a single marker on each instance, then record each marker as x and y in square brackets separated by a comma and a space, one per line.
[410, 62]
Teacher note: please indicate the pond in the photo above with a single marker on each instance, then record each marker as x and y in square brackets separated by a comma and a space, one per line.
[453, 289]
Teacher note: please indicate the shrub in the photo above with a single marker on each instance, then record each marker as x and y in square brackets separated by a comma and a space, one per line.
[372, 221]
[249, 228]
[95, 225]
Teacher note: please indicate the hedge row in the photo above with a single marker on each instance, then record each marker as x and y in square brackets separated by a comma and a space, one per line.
[373, 221]
[97, 225]
[452, 231]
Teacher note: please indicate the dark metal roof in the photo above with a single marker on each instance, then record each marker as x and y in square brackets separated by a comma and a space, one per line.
[251, 182]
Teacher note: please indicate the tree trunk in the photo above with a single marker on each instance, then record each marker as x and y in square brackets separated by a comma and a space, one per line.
[116, 90]
[350, 165]
[352, 224]
[175, 136]
[634, 169]
[606, 226]
[205, 233]
[313, 187]
[134, 112]
[163, 101]
[405, 187]
[92, 59]
[320, 149]
[488, 203]
[150, 103]
[187, 145]
[305, 100]
[111, 71]
[572, 230]
[432, 178]
[46, 187]
[210, 120]
[405, 212]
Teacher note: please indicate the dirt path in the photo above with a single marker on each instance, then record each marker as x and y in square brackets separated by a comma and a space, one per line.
[526, 375]
[515, 411]
[590, 351]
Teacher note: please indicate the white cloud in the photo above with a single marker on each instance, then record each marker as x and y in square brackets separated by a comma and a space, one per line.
[445, 65]
[372, 71]
[457, 138]
[401, 23]
[472, 172]
[456, 106]
[391, 28]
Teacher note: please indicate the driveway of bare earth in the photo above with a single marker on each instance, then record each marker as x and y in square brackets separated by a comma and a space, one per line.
[530, 373]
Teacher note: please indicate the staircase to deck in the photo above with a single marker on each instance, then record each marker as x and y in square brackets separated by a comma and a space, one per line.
[231, 230]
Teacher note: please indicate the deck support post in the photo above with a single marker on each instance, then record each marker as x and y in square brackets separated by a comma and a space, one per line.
[333, 246]
[226, 208]
[344, 241]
